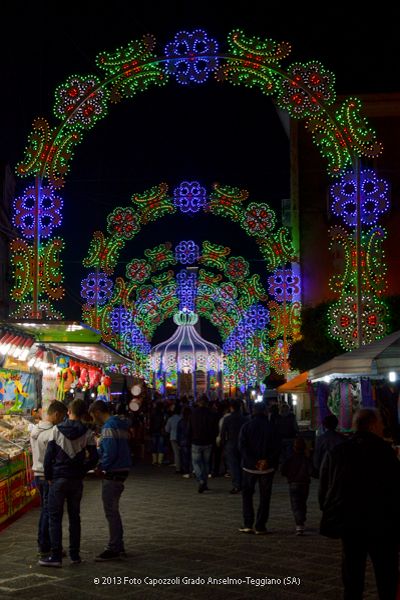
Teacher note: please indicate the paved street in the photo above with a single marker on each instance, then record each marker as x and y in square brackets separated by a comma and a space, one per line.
[174, 532]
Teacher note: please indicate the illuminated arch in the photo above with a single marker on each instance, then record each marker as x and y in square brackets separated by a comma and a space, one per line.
[304, 90]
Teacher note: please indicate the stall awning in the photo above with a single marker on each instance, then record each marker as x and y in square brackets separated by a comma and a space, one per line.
[97, 353]
[72, 338]
[375, 359]
[297, 384]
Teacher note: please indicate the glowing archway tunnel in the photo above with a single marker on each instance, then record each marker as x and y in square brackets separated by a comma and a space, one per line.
[257, 319]
[304, 89]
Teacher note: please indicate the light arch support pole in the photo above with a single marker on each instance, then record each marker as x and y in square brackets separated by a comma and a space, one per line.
[358, 240]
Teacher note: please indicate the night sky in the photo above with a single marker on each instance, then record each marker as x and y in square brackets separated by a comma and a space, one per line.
[211, 132]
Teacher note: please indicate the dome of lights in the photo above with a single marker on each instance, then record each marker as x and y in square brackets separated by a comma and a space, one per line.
[186, 354]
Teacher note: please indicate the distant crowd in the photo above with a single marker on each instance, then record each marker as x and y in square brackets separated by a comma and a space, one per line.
[359, 475]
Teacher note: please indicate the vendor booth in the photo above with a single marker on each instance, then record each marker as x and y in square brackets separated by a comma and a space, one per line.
[367, 376]
[41, 362]
[297, 393]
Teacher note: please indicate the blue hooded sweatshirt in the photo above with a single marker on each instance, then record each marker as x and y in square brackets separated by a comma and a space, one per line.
[114, 450]
[71, 452]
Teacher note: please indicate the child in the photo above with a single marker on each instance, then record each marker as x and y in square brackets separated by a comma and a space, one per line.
[41, 433]
[297, 468]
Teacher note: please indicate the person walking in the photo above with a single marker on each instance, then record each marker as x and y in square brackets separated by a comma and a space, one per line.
[114, 464]
[326, 441]
[171, 427]
[70, 454]
[183, 439]
[230, 430]
[203, 429]
[259, 445]
[298, 469]
[359, 496]
[40, 436]
[288, 429]
[157, 431]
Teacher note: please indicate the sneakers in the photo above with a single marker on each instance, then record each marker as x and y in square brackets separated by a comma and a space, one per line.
[261, 532]
[246, 530]
[235, 491]
[75, 561]
[107, 555]
[300, 530]
[203, 487]
[186, 476]
[50, 561]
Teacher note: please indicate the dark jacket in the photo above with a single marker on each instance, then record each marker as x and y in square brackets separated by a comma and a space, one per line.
[287, 426]
[360, 489]
[231, 427]
[71, 452]
[114, 449]
[157, 422]
[203, 426]
[259, 440]
[297, 468]
[183, 438]
[326, 442]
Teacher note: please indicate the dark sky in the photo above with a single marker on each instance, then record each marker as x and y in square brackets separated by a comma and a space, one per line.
[210, 132]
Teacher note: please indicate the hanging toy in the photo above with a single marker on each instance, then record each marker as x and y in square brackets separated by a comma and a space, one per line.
[83, 381]
[65, 379]
[103, 390]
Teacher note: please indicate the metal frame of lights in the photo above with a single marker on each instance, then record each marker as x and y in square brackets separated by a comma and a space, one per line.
[304, 89]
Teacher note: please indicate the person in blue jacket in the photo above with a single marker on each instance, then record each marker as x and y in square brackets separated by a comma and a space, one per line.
[114, 462]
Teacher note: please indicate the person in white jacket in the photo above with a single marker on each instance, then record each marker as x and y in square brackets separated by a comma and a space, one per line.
[40, 435]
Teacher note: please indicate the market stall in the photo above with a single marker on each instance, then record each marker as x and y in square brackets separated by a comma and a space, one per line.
[41, 362]
[367, 376]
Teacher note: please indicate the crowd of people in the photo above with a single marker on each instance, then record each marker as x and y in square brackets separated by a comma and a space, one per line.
[359, 475]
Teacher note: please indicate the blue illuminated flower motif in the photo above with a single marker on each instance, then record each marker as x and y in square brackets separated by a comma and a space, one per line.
[96, 288]
[257, 316]
[190, 197]
[374, 198]
[120, 320]
[186, 290]
[138, 340]
[49, 213]
[284, 284]
[193, 56]
[187, 253]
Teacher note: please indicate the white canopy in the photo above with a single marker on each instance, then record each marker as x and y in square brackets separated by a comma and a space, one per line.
[373, 360]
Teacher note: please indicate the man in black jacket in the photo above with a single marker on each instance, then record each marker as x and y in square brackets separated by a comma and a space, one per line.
[70, 454]
[230, 430]
[259, 445]
[203, 429]
[359, 495]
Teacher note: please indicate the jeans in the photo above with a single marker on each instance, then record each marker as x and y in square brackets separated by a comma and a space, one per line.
[185, 459]
[265, 487]
[384, 556]
[201, 461]
[286, 449]
[111, 493]
[43, 529]
[71, 491]
[157, 443]
[233, 459]
[298, 500]
[177, 454]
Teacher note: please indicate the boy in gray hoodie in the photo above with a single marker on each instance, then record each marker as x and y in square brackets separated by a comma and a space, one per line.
[40, 435]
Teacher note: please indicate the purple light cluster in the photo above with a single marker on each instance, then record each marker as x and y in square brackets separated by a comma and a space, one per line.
[190, 197]
[192, 56]
[48, 213]
[187, 252]
[186, 290]
[374, 198]
[96, 288]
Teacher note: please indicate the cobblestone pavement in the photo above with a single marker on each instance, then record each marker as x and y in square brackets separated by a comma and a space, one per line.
[172, 532]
